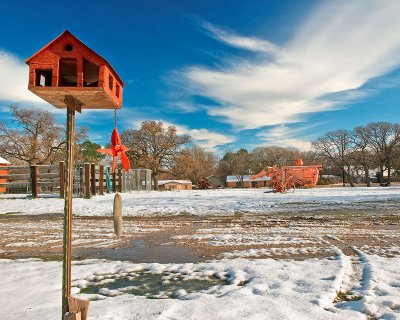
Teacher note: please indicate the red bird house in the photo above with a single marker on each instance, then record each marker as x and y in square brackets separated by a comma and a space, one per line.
[67, 69]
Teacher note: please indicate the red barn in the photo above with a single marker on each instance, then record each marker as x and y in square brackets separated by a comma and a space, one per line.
[3, 174]
[67, 68]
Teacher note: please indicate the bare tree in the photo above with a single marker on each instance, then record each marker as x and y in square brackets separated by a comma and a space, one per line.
[237, 164]
[262, 157]
[362, 154]
[194, 163]
[337, 146]
[154, 147]
[384, 139]
[34, 137]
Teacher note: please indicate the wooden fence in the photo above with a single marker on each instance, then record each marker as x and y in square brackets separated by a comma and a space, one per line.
[89, 179]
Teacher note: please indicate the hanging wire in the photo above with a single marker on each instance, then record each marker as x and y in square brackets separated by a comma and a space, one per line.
[115, 118]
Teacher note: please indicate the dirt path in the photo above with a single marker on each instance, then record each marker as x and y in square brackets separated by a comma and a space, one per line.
[188, 238]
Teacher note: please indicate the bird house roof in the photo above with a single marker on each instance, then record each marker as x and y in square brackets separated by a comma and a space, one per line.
[67, 33]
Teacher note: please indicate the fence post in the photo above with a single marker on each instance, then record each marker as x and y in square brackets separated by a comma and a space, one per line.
[62, 178]
[34, 180]
[93, 178]
[114, 182]
[81, 181]
[119, 180]
[101, 180]
[87, 180]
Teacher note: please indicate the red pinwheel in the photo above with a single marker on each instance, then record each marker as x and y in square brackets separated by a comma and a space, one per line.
[117, 149]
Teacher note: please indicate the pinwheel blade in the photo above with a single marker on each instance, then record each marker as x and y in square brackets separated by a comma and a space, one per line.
[106, 151]
[125, 161]
[115, 138]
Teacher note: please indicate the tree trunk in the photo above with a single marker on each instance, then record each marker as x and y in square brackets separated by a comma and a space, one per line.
[349, 177]
[155, 181]
[388, 169]
[366, 171]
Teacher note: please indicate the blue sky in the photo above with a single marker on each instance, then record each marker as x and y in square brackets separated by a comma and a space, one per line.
[232, 74]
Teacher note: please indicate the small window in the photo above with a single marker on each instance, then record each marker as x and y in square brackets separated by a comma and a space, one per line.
[68, 73]
[110, 82]
[68, 47]
[117, 89]
[43, 78]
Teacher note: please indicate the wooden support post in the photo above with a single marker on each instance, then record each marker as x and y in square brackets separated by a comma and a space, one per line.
[34, 181]
[114, 182]
[101, 180]
[62, 178]
[87, 180]
[93, 178]
[120, 180]
[67, 236]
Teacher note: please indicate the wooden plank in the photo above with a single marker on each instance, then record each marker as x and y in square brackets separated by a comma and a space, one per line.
[114, 181]
[101, 180]
[120, 180]
[79, 306]
[87, 180]
[93, 178]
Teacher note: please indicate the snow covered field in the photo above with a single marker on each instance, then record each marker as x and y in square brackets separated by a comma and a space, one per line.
[338, 258]
[216, 202]
[255, 289]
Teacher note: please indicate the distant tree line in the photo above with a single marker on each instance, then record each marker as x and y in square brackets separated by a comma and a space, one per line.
[34, 137]
[356, 152]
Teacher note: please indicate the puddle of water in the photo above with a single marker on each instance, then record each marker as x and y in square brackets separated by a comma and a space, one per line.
[138, 251]
[150, 285]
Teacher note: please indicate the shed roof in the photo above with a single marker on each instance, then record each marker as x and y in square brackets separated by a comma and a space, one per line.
[246, 178]
[162, 182]
[68, 33]
[4, 161]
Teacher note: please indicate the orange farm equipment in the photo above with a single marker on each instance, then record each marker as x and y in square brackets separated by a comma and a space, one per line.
[288, 178]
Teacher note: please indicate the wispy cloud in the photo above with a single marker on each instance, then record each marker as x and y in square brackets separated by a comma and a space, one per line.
[204, 138]
[232, 39]
[285, 136]
[341, 46]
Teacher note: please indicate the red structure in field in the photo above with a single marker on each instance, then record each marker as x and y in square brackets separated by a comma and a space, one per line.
[68, 69]
[290, 177]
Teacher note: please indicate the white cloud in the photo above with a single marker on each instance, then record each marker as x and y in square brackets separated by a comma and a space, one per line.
[285, 136]
[237, 41]
[340, 46]
[14, 80]
[202, 137]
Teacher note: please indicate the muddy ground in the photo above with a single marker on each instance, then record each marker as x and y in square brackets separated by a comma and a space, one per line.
[187, 238]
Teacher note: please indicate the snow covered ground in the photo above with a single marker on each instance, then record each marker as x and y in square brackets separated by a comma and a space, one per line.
[217, 202]
[349, 270]
[255, 289]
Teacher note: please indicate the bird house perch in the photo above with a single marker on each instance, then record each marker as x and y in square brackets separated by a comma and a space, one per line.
[67, 72]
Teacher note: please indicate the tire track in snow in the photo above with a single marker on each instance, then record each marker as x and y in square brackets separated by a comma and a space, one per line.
[356, 290]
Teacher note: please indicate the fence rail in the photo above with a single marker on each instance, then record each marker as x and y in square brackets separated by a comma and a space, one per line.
[89, 179]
